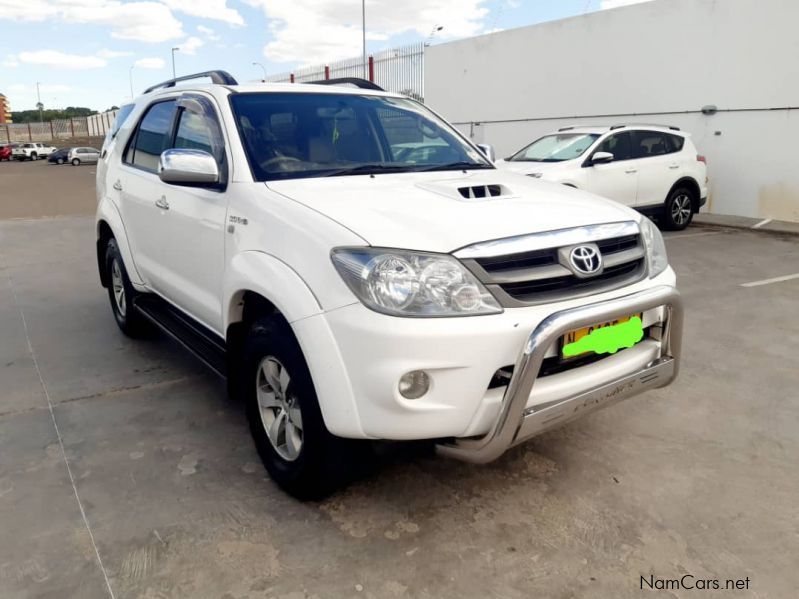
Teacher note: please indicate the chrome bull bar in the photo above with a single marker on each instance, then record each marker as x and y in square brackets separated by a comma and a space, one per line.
[515, 423]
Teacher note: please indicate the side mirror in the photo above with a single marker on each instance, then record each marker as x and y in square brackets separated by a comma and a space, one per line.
[188, 167]
[488, 151]
[601, 158]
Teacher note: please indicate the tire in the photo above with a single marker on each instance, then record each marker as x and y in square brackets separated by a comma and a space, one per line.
[59, 161]
[34, 156]
[76, 162]
[678, 211]
[121, 294]
[301, 456]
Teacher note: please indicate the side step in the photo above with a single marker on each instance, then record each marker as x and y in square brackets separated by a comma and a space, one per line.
[206, 345]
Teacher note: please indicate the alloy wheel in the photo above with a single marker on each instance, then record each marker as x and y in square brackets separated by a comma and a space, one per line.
[118, 286]
[279, 409]
[681, 209]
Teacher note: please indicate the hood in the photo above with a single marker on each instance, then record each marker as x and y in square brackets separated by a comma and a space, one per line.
[428, 211]
[547, 169]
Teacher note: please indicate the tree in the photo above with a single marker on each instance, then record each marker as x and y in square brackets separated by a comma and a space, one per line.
[32, 116]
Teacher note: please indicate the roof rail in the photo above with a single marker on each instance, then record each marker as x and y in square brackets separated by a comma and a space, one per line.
[566, 128]
[644, 125]
[218, 77]
[356, 81]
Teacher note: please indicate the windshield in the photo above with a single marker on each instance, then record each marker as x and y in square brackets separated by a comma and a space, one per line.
[291, 135]
[556, 148]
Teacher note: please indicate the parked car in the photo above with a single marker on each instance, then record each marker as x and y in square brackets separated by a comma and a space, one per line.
[654, 169]
[349, 295]
[78, 156]
[6, 152]
[32, 151]
[59, 156]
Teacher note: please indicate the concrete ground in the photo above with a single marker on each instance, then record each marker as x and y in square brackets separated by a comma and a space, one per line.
[126, 472]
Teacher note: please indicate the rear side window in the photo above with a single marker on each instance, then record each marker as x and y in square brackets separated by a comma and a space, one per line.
[152, 136]
[618, 144]
[674, 143]
[650, 143]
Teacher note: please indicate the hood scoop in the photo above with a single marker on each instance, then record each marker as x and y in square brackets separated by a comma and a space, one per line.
[475, 191]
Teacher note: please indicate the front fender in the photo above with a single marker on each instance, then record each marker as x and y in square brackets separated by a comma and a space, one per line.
[107, 212]
[271, 278]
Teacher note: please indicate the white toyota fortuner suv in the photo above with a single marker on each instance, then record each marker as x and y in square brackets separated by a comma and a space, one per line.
[655, 169]
[350, 294]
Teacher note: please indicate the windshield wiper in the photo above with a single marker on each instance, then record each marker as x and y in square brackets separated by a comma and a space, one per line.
[454, 166]
[366, 169]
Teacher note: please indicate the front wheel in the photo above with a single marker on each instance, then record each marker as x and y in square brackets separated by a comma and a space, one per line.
[59, 161]
[679, 209]
[76, 162]
[34, 156]
[284, 415]
[121, 294]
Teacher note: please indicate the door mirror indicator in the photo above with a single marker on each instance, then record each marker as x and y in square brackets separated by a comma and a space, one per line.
[193, 168]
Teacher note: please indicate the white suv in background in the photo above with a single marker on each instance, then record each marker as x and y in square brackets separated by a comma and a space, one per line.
[654, 169]
[358, 269]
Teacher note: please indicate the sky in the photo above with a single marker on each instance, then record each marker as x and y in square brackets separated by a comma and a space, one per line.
[87, 52]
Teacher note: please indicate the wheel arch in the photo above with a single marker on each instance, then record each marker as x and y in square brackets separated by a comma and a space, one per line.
[691, 184]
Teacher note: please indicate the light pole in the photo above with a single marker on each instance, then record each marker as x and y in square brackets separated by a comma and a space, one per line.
[39, 104]
[363, 22]
[173, 61]
[130, 77]
[435, 30]
[258, 64]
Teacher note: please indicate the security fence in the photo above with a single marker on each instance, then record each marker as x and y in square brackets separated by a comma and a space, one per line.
[95, 125]
[398, 70]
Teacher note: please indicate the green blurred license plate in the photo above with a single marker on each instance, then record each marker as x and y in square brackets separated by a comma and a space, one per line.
[603, 338]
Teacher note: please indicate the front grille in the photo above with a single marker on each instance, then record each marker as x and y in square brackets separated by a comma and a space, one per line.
[544, 275]
[527, 290]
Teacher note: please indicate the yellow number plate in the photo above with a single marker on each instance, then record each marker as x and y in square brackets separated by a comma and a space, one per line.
[576, 335]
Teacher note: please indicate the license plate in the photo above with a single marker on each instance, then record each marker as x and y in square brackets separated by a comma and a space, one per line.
[610, 341]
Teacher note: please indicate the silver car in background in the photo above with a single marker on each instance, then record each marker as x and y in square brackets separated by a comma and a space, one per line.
[78, 156]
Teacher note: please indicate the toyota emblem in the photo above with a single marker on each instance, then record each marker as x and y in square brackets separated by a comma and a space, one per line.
[586, 259]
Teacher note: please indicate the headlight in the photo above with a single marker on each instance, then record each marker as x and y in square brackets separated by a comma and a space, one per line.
[655, 248]
[403, 283]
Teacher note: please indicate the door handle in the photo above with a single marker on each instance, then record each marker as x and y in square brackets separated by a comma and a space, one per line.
[631, 171]
[162, 203]
[674, 166]
[117, 185]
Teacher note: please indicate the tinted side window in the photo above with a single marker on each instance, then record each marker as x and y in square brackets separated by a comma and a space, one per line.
[198, 132]
[152, 136]
[649, 143]
[675, 142]
[618, 145]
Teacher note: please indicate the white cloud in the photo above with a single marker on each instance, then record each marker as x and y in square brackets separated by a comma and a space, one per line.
[310, 32]
[207, 9]
[150, 63]
[616, 3]
[54, 58]
[144, 21]
[209, 33]
[190, 45]
[10, 62]
[113, 53]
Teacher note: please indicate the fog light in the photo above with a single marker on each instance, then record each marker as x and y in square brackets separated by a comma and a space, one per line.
[413, 385]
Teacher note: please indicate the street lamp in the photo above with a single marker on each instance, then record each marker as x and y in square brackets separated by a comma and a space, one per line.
[363, 22]
[258, 64]
[130, 77]
[39, 104]
[173, 61]
[435, 30]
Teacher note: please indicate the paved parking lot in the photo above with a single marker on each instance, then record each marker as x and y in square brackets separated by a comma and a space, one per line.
[126, 472]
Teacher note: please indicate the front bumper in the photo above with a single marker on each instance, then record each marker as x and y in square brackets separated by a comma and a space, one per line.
[516, 422]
